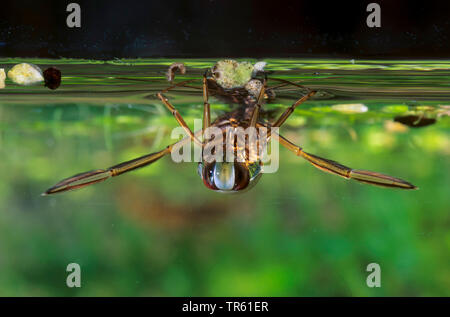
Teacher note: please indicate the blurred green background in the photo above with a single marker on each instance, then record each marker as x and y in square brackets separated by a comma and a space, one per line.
[159, 231]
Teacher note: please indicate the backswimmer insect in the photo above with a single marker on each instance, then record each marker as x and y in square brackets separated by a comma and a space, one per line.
[245, 84]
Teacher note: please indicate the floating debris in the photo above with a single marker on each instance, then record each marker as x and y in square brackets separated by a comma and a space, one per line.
[350, 108]
[2, 78]
[395, 127]
[424, 108]
[232, 74]
[52, 77]
[443, 111]
[175, 67]
[414, 121]
[25, 74]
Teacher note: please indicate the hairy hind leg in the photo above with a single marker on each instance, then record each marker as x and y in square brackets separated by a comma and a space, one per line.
[336, 168]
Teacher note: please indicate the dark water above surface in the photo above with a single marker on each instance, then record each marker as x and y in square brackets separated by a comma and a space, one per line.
[160, 231]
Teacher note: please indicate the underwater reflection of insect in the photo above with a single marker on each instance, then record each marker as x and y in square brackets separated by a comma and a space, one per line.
[246, 85]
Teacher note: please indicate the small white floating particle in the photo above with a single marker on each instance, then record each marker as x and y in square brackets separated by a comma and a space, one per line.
[350, 108]
[259, 67]
[2, 78]
[395, 127]
[25, 74]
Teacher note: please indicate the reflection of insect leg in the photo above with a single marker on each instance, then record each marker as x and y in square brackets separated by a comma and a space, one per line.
[180, 84]
[291, 109]
[178, 117]
[286, 83]
[336, 168]
[96, 176]
[296, 84]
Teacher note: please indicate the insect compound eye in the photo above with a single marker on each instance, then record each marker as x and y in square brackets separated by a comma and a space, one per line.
[227, 176]
[206, 172]
[224, 175]
[242, 176]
